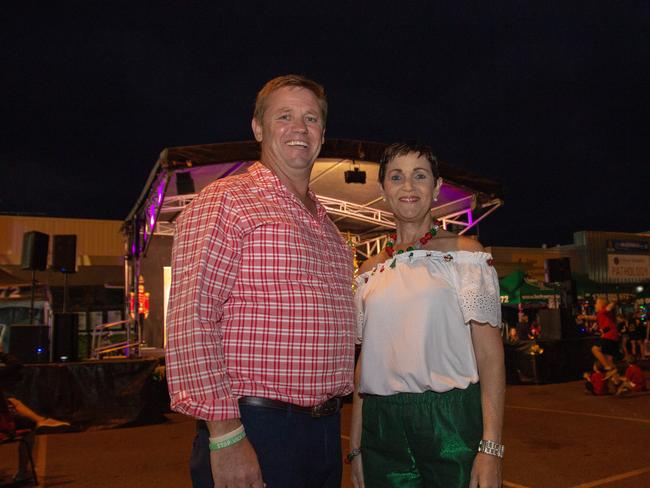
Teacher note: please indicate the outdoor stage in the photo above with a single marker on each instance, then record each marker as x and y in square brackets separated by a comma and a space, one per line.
[555, 361]
[109, 392]
[116, 392]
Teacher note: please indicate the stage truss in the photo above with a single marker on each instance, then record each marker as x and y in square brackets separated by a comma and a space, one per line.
[382, 221]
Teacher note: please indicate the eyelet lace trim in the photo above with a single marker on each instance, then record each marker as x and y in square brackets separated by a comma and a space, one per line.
[479, 307]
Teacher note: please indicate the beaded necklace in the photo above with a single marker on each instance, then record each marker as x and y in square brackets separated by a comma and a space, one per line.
[390, 245]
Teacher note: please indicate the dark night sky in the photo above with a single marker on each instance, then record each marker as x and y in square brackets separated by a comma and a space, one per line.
[550, 98]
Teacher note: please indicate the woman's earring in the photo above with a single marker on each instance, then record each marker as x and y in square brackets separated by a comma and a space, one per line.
[435, 199]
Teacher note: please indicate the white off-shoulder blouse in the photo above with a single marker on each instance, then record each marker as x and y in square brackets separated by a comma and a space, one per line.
[413, 320]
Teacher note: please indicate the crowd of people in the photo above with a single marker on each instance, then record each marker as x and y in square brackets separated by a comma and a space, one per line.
[618, 341]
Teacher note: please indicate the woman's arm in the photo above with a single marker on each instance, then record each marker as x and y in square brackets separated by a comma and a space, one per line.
[488, 349]
[355, 430]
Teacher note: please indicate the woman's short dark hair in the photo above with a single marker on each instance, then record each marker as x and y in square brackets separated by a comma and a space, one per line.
[402, 149]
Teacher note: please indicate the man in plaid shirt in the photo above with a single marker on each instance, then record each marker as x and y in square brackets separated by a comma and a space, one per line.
[261, 318]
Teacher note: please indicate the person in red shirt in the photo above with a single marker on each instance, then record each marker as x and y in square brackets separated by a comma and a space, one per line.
[261, 321]
[635, 378]
[607, 350]
[595, 381]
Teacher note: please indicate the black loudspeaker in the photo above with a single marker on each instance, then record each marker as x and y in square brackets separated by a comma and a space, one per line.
[570, 329]
[568, 293]
[34, 254]
[65, 337]
[184, 184]
[30, 343]
[64, 253]
[550, 322]
[558, 270]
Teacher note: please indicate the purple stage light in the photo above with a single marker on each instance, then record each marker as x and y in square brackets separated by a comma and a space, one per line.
[161, 191]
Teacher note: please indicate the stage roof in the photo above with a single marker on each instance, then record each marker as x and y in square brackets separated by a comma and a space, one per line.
[357, 209]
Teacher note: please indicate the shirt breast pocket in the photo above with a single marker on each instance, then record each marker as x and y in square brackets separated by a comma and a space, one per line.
[287, 250]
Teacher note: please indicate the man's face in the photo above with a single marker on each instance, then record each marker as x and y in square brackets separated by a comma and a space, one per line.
[292, 130]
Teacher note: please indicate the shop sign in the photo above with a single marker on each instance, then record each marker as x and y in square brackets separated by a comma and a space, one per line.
[628, 267]
[639, 247]
[21, 292]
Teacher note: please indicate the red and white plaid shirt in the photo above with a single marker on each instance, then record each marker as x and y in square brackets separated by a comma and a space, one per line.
[261, 300]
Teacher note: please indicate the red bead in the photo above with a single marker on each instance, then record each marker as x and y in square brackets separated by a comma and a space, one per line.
[424, 240]
[428, 236]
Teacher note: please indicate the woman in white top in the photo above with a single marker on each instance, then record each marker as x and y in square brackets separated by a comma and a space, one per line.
[428, 313]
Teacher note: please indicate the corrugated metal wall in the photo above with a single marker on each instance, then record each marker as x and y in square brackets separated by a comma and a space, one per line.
[531, 260]
[595, 245]
[97, 240]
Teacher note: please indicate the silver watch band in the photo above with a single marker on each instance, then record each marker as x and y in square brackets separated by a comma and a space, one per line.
[492, 448]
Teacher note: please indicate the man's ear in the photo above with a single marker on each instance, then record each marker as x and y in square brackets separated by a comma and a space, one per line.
[257, 129]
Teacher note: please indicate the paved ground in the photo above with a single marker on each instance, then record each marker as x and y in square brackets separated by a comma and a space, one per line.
[556, 436]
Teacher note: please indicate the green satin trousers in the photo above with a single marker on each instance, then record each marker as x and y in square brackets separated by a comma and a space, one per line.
[421, 440]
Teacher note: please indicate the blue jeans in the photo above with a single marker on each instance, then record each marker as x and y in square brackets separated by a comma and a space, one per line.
[294, 449]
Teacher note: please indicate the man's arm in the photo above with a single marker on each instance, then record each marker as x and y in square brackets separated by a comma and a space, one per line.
[205, 265]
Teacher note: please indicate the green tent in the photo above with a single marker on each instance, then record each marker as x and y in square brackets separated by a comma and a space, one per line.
[586, 286]
[516, 289]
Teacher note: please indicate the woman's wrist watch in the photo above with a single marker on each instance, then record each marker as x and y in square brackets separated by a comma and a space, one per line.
[492, 448]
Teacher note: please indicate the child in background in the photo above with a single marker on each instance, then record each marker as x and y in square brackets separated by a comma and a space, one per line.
[595, 381]
[634, 377]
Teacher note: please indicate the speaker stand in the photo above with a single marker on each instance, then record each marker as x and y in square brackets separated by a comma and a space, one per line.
[31, 303]
[65, 292]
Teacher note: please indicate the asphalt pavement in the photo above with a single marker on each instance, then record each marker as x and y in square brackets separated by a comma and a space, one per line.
[555, 435]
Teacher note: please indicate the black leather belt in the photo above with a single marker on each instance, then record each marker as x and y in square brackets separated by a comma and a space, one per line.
[330, 407]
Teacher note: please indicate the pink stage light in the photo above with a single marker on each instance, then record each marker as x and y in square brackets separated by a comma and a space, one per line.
[161, 191]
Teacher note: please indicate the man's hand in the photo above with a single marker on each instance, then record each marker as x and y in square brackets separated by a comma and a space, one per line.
[236, 466]
[486, 471]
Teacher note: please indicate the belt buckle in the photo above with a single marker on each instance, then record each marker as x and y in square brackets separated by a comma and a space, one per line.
[326, 408]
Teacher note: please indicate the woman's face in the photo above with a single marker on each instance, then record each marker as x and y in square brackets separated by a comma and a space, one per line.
[410, 187]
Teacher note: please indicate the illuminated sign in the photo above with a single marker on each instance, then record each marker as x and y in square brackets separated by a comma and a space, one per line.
[628, 267]
[641, 247]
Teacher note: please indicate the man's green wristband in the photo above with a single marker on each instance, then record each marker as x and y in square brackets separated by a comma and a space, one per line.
[215, 446]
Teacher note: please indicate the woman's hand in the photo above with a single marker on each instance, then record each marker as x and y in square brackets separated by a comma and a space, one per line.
[486, 472]
[356, 472]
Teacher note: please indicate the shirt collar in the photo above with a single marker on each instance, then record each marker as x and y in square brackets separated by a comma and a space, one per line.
[268, 181]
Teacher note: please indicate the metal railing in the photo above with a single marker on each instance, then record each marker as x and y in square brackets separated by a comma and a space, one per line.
[101, 345]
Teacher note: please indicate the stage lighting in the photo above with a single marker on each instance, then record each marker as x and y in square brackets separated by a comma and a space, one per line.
[355, 176]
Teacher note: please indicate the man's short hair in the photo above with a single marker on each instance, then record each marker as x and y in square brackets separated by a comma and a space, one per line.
[402, 149]
[289, 80]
